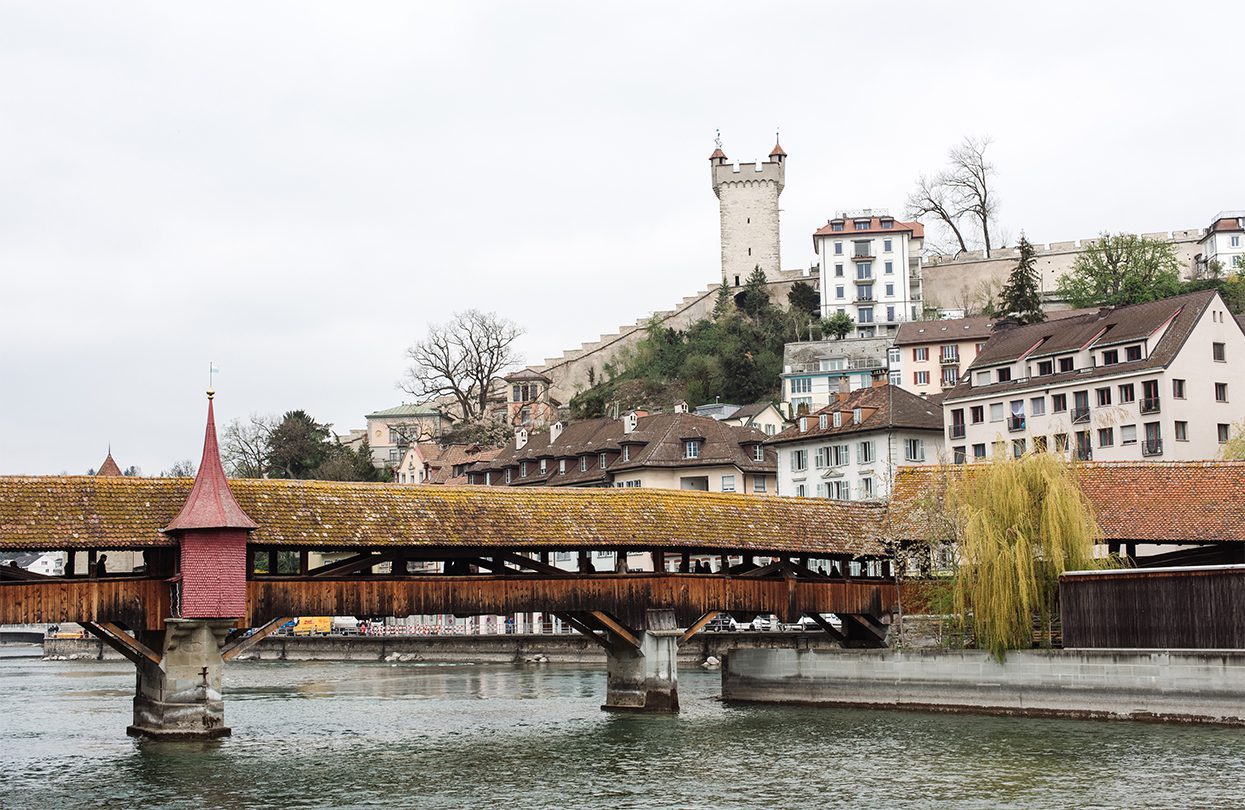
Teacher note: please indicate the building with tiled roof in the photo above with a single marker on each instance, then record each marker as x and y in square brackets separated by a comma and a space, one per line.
[763, 416]
[1153, 380]
[814, 372]
[1223, 242]
[871, 270]
[392, 430]
[850, 449]
[432, 463]
[1139, 503]
[664, 451]
[529, 403]
[930, 356]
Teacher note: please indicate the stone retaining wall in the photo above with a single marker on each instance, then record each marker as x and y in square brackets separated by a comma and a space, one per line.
[1197, 686]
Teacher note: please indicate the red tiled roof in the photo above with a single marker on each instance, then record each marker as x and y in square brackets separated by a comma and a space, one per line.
[884, 406]
[875, 227]
[955, 329]
[777, 151]
[718, 153]
[109, 467]
[210, 504]
[59, 512]
[1135, 501]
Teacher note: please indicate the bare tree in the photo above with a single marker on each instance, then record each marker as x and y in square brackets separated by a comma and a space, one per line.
[969, 181]
[932, 198]
[246, 446]
[180, 469]
[461, 359]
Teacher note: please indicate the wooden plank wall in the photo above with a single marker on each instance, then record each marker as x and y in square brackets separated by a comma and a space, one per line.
[626, 596]
[1188, 609]
[136, 603]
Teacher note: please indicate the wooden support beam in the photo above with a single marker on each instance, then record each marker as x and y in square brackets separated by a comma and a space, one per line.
[697, 626]
[863, 627]
[350, 564]
[623, 633]
[235, 648]
[272, 562]
[830, 629]
[304, 562]
[541, 567]
[584, 629]
[122, 642]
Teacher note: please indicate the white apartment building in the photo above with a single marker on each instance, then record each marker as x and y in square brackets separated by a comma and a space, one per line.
[871, 270]
[1224, 242]
[1163, 380]
[814, 372]
[850, 449]
[929, 357]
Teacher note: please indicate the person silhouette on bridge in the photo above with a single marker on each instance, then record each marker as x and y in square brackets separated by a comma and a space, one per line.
[101, 566]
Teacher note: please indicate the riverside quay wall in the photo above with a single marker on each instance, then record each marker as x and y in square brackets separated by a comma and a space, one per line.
[563, 649]
[1189, 686]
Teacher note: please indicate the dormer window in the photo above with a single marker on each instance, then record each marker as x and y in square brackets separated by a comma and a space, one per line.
[601, 461]
[758, 453]
[691, 448]
[523, 469]
[836, 226]
[626, 452]
[803, 423]
[544, 466]
[857, 415]
[821, 421]
[561, 465]
[888, 223]
[862, 224]
[1110, 357]
[1133, 353]
[508, 473]
[838, 419]
[583, 464]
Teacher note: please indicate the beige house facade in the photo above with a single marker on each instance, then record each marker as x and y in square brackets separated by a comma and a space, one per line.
[1157, 381]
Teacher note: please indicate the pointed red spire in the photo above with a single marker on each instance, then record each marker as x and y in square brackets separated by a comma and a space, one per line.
[718, 153]
[777, 151]
[109, 467]
[210, 504]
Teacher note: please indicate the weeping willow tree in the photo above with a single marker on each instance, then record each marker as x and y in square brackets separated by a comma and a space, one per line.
[1021, 523]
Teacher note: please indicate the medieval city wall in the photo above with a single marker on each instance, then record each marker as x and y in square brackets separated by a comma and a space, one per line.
[964, 281]
[579, 369]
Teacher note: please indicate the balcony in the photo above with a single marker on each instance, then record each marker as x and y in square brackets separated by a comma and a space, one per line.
[863, 257]
[953, 360]
[1084, 454]
[948, 383]
[1015, 424]
[1080, 415]
[956, 431]
[1152, 447]
[1149, 404]
[869, 299]
[866, 279]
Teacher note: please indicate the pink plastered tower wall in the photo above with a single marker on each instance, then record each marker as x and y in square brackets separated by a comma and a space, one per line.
[212, 531]
[213, 563]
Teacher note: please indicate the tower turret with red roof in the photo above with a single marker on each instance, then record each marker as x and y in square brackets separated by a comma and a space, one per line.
[212, 532]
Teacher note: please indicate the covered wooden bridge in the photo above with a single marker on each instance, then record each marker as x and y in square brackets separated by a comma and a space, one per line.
[219, 558]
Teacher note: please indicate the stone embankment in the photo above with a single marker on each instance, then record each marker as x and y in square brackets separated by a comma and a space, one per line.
[558, 649]
[1183, 686]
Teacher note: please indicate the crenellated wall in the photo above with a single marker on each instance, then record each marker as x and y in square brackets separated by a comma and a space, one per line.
[578, 369]
[958, 283]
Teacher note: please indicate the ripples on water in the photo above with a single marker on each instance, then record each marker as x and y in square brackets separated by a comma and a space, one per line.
[368, 734]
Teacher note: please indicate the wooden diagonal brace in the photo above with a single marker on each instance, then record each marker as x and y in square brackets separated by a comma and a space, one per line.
[122, 642]
[534, 565]
[584, 629]
[238, 646]
[698, 626]
[616, 628]
[828, 627]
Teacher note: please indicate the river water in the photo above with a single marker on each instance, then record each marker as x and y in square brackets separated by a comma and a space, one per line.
[401, 735]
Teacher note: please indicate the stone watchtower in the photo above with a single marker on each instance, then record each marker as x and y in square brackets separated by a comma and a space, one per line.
[748, 203]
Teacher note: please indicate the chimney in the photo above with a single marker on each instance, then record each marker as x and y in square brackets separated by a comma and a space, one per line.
[845, 388]
[680, 407]
[520, 438]
[629, 421]
[555, 430]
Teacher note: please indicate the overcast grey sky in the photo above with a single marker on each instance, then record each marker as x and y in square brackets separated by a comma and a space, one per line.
[296, 190]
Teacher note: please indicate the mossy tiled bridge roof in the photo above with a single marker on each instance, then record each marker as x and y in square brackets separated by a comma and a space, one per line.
[64, 512]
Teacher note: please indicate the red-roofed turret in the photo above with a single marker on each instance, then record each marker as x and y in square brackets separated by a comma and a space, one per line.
[211, 530]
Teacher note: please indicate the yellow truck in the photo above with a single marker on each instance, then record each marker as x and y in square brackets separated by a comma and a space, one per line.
[313, 626]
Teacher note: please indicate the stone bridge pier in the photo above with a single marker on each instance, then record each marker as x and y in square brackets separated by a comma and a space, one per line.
[643, 672]
[179, 697]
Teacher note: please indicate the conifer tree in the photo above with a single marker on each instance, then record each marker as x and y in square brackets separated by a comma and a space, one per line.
[1020, 297]
[723, 303]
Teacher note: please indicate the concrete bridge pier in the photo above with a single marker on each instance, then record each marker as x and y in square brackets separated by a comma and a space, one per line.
[643, 672]
[178, 697]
